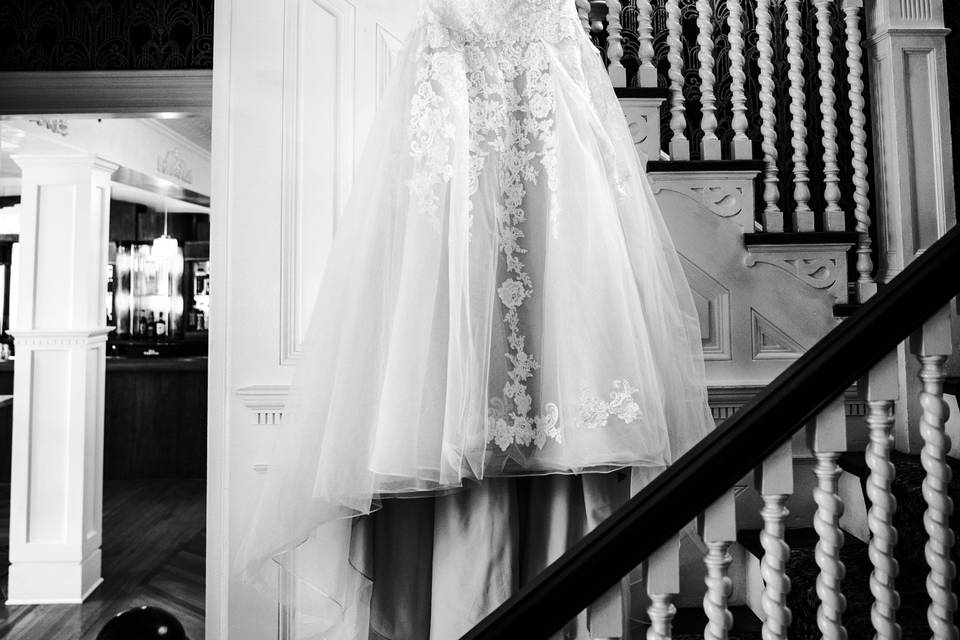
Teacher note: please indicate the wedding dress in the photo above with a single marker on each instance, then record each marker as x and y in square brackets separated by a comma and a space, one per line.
[502, 299]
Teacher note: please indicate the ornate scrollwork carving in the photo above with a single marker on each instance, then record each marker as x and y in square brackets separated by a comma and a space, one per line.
[722, 197]
[819, 272]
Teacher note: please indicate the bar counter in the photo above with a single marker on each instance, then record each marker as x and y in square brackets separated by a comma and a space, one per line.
[155, 418]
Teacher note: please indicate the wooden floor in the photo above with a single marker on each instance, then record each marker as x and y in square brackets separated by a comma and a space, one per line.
[153, 553]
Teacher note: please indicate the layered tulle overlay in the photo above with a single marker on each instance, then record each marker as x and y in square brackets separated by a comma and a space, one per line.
[502, 299]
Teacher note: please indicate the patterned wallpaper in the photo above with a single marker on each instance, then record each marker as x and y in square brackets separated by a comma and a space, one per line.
[58, 35]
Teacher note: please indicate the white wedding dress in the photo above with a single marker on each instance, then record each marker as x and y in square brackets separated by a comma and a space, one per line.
[503, 299]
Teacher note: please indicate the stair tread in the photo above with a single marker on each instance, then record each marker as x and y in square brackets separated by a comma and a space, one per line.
[845, 310]
[642, 92]
[803, 237]
[659, 166]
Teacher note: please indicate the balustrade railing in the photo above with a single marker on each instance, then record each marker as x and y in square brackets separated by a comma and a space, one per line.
[779, 81]
[809, 394]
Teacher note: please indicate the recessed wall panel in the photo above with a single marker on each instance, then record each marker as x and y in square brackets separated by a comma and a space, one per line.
[49, 440]
[56, 220]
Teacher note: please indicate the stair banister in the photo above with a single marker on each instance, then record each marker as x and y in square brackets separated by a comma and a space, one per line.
[701, 476]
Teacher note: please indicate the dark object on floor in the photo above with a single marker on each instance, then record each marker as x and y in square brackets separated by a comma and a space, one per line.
[143, 623]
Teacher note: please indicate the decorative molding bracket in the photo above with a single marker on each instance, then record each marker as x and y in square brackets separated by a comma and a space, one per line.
[820, 266]
[265, 401]
[726, 194]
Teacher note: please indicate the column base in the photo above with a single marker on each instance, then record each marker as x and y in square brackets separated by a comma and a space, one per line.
[54, 582]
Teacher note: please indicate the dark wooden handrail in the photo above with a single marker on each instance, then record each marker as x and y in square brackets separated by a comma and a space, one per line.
[720, 460]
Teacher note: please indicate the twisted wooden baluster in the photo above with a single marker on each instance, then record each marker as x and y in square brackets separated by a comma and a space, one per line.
[932, 345]
[719, 588]
[936, 519]
[827, 438]
[742, 148]
[679, 145]
[772, 215]
[773, 567]
[775, 483]
[710, 143]
[718, 528]
[833, 214]
[618, 73]
[647, 73]
[583, 10]
[802, 214]
[866, 286]
[883, 536]
[827, 524]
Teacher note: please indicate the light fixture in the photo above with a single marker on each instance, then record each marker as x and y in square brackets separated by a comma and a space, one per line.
[164, 247]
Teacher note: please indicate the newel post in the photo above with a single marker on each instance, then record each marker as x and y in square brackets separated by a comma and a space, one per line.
[912, 156]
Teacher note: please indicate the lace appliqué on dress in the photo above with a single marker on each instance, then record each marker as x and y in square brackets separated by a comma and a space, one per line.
[502, 76]
[595, 412]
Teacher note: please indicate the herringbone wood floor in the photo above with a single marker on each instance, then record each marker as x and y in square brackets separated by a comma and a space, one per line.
[153, 553]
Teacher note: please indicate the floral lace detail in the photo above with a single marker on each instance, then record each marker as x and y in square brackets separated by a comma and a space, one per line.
[433, 131]
[595, 411]
[491, 57]
[492, 23]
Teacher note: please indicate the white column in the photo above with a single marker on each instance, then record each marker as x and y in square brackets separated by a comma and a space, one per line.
[57, 470]
[913, 161]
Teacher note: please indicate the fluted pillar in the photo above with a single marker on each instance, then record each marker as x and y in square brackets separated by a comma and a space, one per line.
[913, 163]
[60, 338]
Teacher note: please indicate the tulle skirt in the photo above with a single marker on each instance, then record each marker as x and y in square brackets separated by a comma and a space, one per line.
[502, 299]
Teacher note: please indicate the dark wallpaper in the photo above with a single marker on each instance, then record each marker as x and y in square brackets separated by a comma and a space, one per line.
[60, 35]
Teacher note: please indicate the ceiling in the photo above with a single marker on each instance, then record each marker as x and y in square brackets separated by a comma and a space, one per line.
[196, 129]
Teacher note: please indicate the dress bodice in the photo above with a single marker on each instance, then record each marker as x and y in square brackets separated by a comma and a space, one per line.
[502, 20]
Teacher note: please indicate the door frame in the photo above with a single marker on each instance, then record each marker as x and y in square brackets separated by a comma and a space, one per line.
[150, 94]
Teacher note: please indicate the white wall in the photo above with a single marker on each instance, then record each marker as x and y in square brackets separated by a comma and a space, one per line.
[295, 84]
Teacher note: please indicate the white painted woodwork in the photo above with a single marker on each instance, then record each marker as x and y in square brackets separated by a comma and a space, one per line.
[827, 439]
[932, 344]
[741, 146]
[618, 73]
[833, 219]
[866, 285]
[912, 155]
[709, 143]
[647, 73]
[821, 266]
[803, 218]
[754, 321]
[772, 214]
[679, 144]
[643, 120]
[774, 480]
[295, 86]
[912, 151]
[662, 578]
[718, 528]
[59, 332]
[880, 389]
